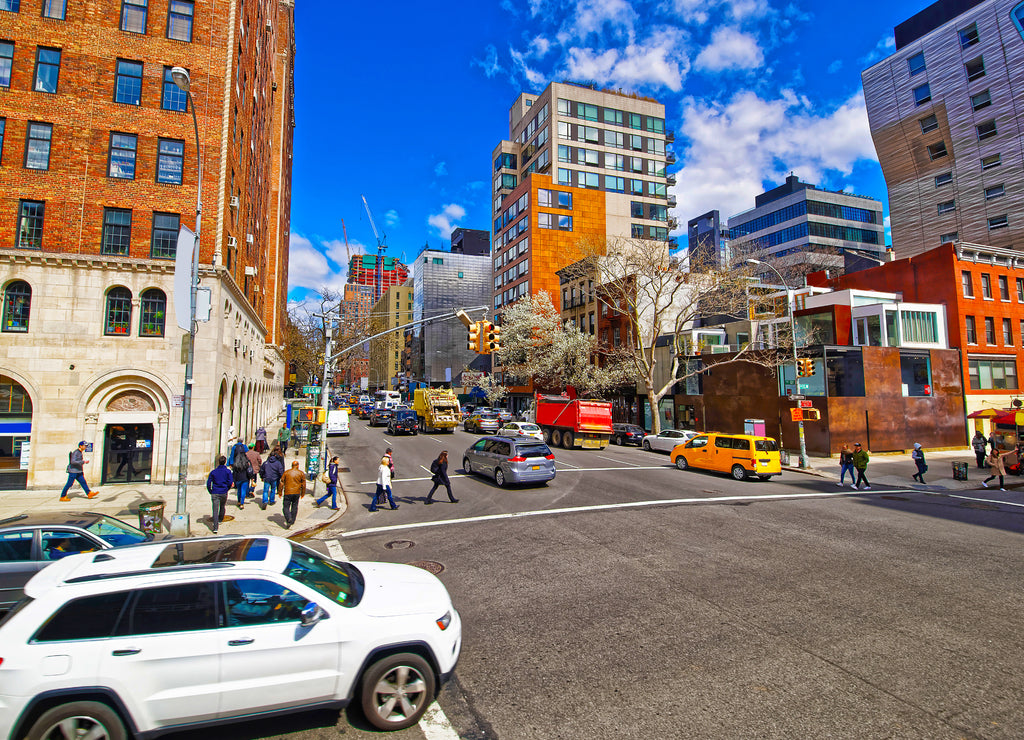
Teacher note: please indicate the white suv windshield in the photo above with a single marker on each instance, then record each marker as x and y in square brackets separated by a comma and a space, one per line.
[342, 583]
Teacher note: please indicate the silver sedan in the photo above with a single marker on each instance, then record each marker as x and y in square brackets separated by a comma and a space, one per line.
[666, 439]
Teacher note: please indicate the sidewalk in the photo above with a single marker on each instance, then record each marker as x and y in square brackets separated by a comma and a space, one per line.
[896, 470]
[122, 500]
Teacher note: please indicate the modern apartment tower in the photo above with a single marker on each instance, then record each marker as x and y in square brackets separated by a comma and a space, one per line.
[945, 116]
[579, 164]
[100, 169]
[805, 228]
[707, 240]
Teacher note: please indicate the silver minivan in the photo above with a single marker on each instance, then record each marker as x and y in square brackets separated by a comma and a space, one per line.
[510, 460]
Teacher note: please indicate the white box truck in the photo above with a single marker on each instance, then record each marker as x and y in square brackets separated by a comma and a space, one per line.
[337, 422]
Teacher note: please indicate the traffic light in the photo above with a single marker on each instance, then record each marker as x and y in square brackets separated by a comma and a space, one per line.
[492, 340]
[805, 368]
[473, 337]
[812, 415]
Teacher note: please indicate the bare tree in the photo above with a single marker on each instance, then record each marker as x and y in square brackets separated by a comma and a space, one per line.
[538, 344]
[655, 302]
[306, 335]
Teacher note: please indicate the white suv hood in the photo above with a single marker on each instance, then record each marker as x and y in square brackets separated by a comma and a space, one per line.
[399, 590]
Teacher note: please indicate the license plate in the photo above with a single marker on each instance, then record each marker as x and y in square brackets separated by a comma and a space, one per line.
[536, 467]
[764, 464]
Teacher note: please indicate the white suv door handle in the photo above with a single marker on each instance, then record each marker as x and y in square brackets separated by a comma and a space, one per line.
[245, 641]
[127, 651]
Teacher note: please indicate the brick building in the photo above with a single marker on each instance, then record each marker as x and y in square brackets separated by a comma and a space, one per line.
[363, 270]
[98, 169]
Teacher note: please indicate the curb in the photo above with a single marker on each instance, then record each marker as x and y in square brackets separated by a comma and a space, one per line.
[310, 532]
[807, 471]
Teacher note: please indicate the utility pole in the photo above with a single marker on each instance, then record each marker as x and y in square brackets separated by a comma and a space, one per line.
[324, 386]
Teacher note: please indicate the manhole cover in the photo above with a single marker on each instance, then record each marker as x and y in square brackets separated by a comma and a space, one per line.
[399, 544]
[976, 505]
[428, 565]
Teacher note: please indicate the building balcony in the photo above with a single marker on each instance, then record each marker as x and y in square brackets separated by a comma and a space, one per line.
[670, 136]
[670, 157]
[671, 201]
[671, 178]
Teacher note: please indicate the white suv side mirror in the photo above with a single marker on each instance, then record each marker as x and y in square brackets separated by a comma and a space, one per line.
[311, 614]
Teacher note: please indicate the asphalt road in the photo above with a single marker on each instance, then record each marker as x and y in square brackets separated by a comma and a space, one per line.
[701, 607]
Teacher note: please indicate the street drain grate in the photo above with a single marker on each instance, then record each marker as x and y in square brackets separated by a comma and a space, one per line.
[976, 505]
[399, 544]
[428, 565]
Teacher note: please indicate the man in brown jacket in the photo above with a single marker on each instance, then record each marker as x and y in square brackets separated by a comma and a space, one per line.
[293, 485]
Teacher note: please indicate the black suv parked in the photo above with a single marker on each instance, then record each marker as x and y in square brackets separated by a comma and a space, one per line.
[403, 421]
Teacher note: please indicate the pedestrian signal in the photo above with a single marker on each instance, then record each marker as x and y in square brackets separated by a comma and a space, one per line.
[312, 415]
[811, 414]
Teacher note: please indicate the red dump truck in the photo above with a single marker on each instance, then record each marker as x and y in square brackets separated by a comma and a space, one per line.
[573, 422]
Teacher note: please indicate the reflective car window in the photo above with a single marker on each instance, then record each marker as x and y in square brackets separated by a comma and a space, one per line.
[533, 450]
[342, 583]
[85, 618]
[15, 546]
[697, 442]
[253, 601]
[766, 445]
[56, 544]
[115, 532]
[183, 607]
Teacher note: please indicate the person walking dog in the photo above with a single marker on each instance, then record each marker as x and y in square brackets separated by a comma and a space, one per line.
[76, 472]
[860, 462]
[332, 487]
[846, 465]
[218, 483]
[383, 485]
[439, 475]
[995, 459]
[918, 457]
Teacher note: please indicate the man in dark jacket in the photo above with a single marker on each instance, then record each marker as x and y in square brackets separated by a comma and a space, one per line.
[240, 469]
[271, 472]
[218, 483]
[76, 472]
[439, 469]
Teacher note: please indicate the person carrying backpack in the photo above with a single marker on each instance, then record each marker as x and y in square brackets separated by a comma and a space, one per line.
[241, 470]
[439, 475]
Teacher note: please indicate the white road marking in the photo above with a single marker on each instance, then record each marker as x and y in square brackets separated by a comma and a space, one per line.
[563, 462]
[609, 507]
[335, 549]
[406, 480]
[985, 500]
[615, 459]
[435, 724]
[573, 469]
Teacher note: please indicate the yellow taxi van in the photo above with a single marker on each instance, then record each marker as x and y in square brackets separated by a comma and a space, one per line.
[742, 455]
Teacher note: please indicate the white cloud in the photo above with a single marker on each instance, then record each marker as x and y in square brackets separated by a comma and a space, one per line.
[598, 16]
[835, 66]
[446, 221]
[883, 48]
[441, 169]
[391, 218]
[658, 61]
[730, 48]
[521, 65]
[733, 149]
[489, 64]
[308, 267]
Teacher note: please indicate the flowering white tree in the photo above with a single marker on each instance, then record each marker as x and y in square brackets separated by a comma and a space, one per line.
[538, 344]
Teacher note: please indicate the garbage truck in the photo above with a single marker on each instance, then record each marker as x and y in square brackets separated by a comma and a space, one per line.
[437, 409]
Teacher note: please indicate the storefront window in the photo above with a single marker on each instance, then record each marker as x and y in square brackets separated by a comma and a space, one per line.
[916, 373]
[844, 370]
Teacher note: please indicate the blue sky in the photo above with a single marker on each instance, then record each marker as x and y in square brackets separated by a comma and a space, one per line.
[404, 102]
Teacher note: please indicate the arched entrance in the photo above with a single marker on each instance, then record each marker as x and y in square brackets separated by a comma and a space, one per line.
[15, 432]
[128, 446]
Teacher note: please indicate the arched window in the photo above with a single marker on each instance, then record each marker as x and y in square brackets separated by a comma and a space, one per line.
[153, 309]
[119, 312]
[17, 302]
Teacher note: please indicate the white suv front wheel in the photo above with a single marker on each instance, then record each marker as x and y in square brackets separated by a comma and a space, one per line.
[78, 719]
[397, 690]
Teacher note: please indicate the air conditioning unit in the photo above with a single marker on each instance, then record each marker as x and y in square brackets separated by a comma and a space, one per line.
[270, 26]
[232, 241]
[250, 270]
[233, 202]
[238, 344]
[249, 239]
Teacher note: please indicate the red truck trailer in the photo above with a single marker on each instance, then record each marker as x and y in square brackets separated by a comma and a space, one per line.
[573, 422]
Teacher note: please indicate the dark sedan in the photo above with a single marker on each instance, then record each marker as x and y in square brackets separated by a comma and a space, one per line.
[627, 434]
[403, 421]
[380, 417]
[30, 542]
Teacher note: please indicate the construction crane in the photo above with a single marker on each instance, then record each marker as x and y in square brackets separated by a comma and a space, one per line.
[381, 246]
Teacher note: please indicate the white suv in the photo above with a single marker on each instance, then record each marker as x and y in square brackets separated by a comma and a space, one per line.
[152, 638]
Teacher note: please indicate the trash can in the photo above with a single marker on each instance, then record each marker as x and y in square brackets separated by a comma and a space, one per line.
[959, 471]
[151, 517]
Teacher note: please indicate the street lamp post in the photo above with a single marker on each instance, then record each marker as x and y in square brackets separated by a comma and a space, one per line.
[796, 363]
[180, 524]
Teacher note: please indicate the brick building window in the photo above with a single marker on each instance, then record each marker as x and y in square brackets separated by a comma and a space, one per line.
[17, 303]
[968, 283]
[128, 82]
[179, 20]
[117, 231]
[1020, 290]
[173, 97]
[55, 9]
[170, 161]
[133, 15]
[152, 310]
[121, 161]
[3, 130]
[1004, 287]
[1007, 332]
[985, 374]
[971, 330]
[164, 243]
[11, 5]
[37, 146]
[6, 62]
[30, 224]
[47, 70]
[119, 312]
[990, 330]
[986, 286]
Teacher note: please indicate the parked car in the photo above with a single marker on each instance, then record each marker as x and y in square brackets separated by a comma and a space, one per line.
[269, 625]
[403, 421]
[521, 429]
[30, 542]
[380, 417]
[504, 415]
[486, 421]
[510, 460]
[666, 439]
[627, 434]
[742, 455]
